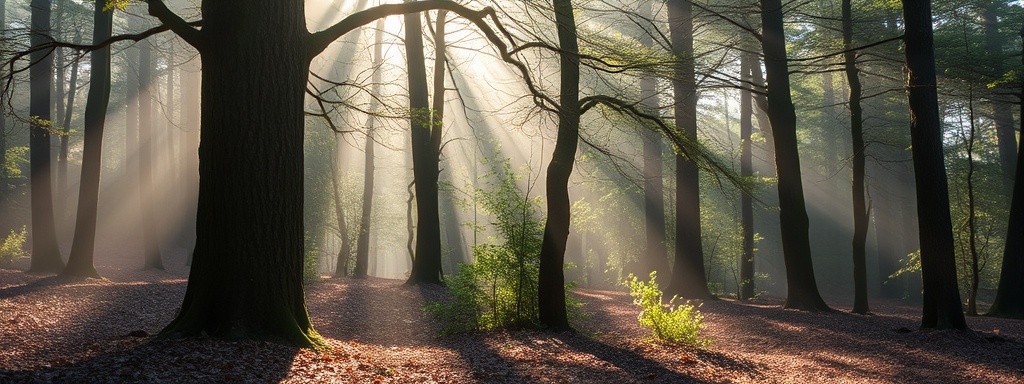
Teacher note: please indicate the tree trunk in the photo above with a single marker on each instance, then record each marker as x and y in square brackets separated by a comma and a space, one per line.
[191, 104]
[80, 262]
[3, 120]
[860, 211]
[656, 256]
[46, 256]
[1002, 114]
[168, 134]
[746, 283]
[62, 159]
[147, 194]
[688, 275]
[802, 288]
[1009, 300]
[131, 115]
[363, 242]
[551, 280]
[941, 294]
[426, 267]
[246, 278]
[341, 265]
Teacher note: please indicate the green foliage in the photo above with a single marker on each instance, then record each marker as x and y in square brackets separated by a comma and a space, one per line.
[13, 161]
[500, 289]
[908, 265]
[679, 324]
[11, 250]
[119, 4]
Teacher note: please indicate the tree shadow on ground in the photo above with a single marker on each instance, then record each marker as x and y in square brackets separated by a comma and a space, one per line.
[185, 360]
[914, 353]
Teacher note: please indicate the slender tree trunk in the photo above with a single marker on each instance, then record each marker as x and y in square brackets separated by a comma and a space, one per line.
[688, 275]
[80, 262]
[972, 223]
[1009, 300]
[147, 194]
[426, 267]
[341, 266]
[860, 211]
[363, 242]
[941, 294]
[1002, 114]
[62, 159]
[168, 134]
[131, 114]
[746, 291]
[656, 256]
[803, 290]
[46, 256]
[551, 281]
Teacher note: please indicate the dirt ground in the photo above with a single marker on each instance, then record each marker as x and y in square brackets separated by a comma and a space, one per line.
[54, 330]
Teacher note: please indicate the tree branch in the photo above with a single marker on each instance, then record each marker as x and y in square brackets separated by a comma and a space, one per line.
[175, 23]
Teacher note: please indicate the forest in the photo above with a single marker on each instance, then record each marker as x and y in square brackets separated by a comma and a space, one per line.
[462, 191]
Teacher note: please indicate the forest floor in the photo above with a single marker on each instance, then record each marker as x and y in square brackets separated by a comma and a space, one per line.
[54, 330]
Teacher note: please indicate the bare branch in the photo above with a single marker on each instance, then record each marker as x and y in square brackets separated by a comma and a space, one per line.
[175, 23]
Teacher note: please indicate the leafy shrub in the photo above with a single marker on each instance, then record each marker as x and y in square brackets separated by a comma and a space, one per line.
[11, 250]
[680, 324]
[499, 290]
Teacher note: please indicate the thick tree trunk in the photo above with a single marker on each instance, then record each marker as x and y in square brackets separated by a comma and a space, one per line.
[803, 290]
[941, 295]
[688, 275]
[426, 267]
[46, 256]
[80, 262]
[246, 279]
[147, 194]
[1009, 300]
[746, 283]
[363, 242]
[656, 256]
[551, 279]
[860, 210]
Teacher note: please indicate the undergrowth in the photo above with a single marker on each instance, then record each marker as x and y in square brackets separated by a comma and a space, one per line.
[11, 250]
[678, 324]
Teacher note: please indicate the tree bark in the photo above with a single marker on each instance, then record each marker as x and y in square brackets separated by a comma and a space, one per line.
[746, 283]
[46, 256]
[656, 256]
[363, 242]
[147, 194]
[860, 210]
[341, 265]
[426, 267]
[1002, 114]
[688, 275]
[802, 288]
[1009, 300]
[246, 277]
[80, 261]
[551, 279]
[941, 295]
